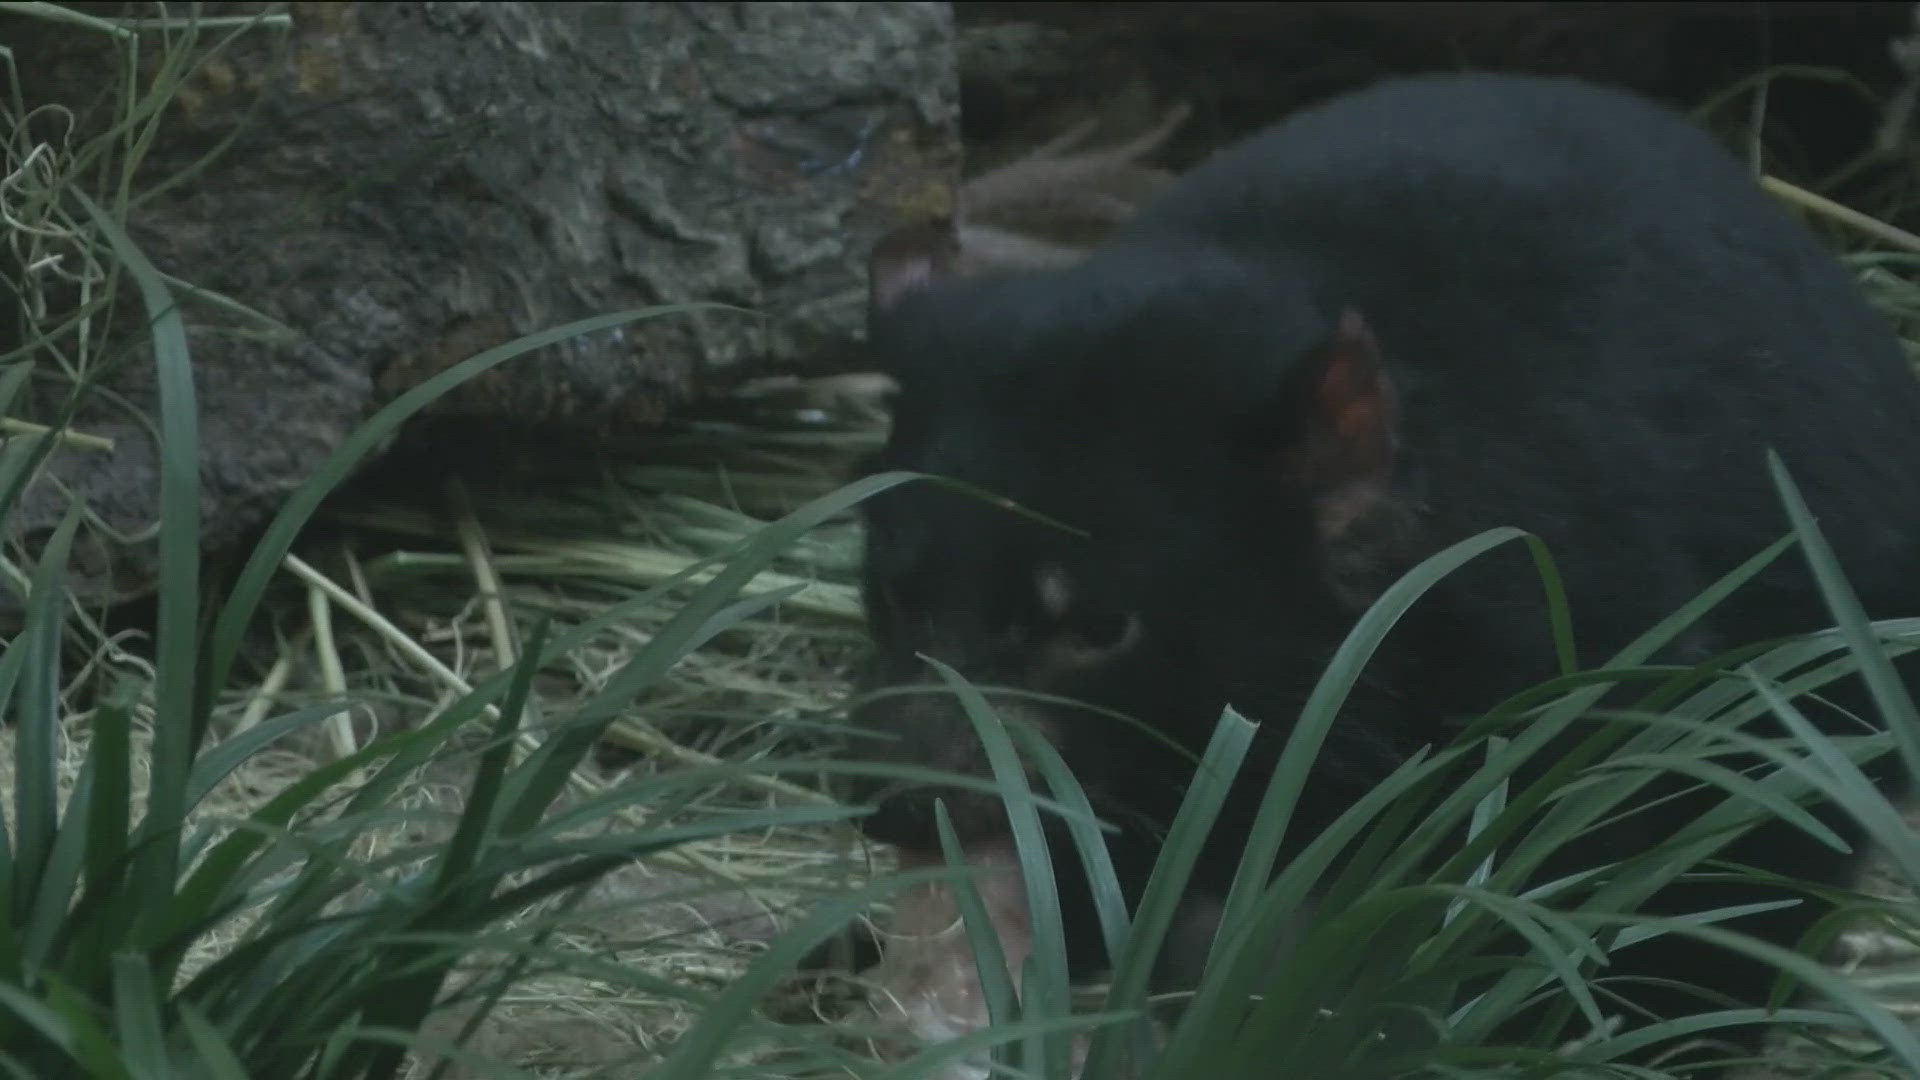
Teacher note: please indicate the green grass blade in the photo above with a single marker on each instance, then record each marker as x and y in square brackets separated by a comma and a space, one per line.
[1890, 695]
[1888, 1028]
[1695, 841]
[989, 958]
[931, 1061]
[110, 759]
[20, 459]
[1048, 960]
[1381, 924]
[1637, 652]
[478, 816]
[176, 636]
[208, 888]
[629, 846]
[1566, 816]
[1227, 988]
[531, 790]
[1316, 718]
[11, 380]
[93, 1047]
[474, 1065]
[18, 455]
[12, 661]
[655, 791]
[1555, 795]
[217, 762]
[1850, 787]
[702, 616]
[274, 543]
[1484, 814]
[409, 1001]
[47, 921]
[102, 804]
[137, 1022]
[1706, 1023]
[406, 757]
[212, 1057]
[1083, 825]
[694, 1056]
[40, 1018]
[1166, 887]
[1633, 934]
[1537, 925]
[1733, 783]
[1559, 612]
[36, 720]
[1667, 629]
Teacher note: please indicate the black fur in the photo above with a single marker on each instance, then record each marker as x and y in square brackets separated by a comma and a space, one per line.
[1593, 325]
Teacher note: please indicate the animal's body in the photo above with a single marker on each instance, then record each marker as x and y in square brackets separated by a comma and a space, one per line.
[1415, 313]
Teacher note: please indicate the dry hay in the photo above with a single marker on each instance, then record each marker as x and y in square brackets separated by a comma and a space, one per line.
[467, 581]
[400, 609]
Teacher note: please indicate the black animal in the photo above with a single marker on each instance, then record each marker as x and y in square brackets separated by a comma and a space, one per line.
[1420, 311]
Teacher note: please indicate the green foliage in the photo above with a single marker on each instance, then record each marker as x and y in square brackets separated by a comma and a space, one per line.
[341, 961]
[338, 958]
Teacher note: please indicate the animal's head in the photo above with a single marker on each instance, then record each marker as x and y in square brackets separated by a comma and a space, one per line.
[1215, 453]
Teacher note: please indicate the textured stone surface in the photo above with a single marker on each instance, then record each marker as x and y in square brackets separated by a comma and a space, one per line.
[411, 183]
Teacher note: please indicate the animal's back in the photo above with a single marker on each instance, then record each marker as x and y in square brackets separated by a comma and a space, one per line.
[1590, 324]
[1598, 324]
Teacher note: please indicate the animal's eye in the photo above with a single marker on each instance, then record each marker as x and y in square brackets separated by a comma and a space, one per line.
[1092, 630]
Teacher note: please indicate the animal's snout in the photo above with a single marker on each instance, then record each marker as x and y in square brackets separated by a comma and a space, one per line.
[921, 733]
[907, 816]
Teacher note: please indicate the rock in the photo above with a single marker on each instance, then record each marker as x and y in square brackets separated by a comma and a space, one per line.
[411, 183]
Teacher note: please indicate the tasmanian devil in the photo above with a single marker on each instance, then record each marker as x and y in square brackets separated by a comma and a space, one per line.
[1391, 322]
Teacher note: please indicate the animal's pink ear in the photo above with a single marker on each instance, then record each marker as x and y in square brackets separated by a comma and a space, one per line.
[1349, 413]
[909, 258]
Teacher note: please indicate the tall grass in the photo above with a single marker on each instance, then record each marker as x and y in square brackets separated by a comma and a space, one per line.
[330, 958]
[341, 959]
